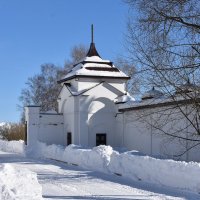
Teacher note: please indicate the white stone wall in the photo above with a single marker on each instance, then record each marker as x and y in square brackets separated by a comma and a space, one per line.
[101, 114]
[94, 112]
[84, 83]
[44, 127]
[51, 128]
[142, 134]
[66, 105]
[33, 121]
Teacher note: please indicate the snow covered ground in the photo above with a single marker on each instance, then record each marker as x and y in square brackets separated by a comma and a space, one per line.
[12, 146]
[15, 183]
[132, 165]
[141, 177]
[63, 181]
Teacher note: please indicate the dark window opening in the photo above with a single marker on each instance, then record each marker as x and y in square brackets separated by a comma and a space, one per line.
[100, 139]
[69, 138]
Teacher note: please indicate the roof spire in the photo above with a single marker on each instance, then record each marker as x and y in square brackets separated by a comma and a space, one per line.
[92, 51]
[92, 33]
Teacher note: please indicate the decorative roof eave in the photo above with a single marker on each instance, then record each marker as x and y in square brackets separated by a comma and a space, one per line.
[93, 62]
[113, 69]
[42, 113]
[88, 76]
[32, 106]
[163, 104]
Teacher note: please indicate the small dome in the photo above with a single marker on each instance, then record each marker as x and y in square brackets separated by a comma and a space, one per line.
[152, 94]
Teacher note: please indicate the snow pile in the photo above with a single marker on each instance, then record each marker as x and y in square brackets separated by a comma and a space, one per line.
[132, 165]
[170, 173]
[12, 146]
[97, 158]
[18, 184]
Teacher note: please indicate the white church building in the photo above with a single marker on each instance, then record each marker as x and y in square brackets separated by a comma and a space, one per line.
[94, 108]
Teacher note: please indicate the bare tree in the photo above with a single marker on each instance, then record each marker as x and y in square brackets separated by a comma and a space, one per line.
[164, 43]
[42, 89]
[12, 131]
[132, 85]
[78, 52]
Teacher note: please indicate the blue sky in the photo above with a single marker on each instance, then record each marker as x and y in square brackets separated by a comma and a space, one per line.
[34, 32]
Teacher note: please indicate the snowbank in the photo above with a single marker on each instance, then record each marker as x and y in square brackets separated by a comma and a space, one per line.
[96, 159]
[18, 184]
[12, 146]
[170, 173]
[132, 165]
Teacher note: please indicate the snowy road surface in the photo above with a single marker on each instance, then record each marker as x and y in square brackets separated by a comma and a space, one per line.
[62, 181]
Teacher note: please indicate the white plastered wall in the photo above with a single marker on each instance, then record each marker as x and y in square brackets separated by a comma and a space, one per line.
[92, 112]
[32, 120]
[84, 83]
[67, 106]
[101, 114]
[140, 135]
[51, 129]
[43, 127]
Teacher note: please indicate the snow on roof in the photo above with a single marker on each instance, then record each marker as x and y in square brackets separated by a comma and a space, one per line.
[95, 59]
[124, 99]
[153, 93]
[140, 103]
[94, 66]
[159, 102]
[91, 67]
[187, 88]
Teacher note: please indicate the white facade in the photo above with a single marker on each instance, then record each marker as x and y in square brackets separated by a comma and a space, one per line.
[44, 127]
[140, 134]
[93, 101]
[91, 112]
